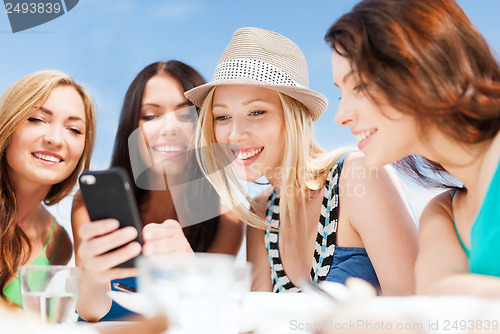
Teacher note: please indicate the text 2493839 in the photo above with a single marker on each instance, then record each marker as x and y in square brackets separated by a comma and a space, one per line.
[32, 8]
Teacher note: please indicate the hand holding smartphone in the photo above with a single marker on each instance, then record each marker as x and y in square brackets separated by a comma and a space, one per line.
[108, 194]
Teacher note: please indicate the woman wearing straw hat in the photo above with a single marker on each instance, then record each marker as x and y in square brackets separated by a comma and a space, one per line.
[256, 120]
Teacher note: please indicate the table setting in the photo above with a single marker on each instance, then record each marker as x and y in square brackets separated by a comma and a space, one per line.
[210, 293]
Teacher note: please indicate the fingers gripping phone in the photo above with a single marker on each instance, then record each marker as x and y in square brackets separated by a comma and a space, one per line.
[108, 194]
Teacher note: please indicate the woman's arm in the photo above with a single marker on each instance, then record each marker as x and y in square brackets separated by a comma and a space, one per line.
[92, 241]
[371, 200]
[257, 255]
[229, 235]
[442, 265]
[256, 248]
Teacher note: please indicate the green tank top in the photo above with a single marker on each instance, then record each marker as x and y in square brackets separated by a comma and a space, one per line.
[484, 253]
[13, 290]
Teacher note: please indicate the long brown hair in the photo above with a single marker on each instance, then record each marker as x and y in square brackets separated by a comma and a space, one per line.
[200, 236]
[16, 106]
[429, 61]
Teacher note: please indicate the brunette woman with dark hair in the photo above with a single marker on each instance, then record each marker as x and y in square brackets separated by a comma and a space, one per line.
[153, 144]
[421, 86]
[200, 236]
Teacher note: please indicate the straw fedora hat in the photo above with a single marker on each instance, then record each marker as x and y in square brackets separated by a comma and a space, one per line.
[263, 58]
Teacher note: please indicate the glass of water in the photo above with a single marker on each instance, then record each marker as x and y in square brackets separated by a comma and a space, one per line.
[50, 292]
[199, 293]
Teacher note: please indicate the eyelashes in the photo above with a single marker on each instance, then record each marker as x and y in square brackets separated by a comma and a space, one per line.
[360, 87]
[253, 113]
[36, 120]
[186, 117]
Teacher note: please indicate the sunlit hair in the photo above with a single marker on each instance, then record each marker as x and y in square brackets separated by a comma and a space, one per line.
[17, 104]
[304, 166]
[427, 60]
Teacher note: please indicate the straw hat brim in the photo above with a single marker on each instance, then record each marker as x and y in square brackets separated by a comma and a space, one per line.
[315, 102]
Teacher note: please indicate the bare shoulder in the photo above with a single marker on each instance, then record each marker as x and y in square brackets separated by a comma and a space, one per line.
[79, 214]
[378, 191]
[77, 202]
[355, 165]
[437, 209]
[356, 172]
[354, 159]
[441, 255]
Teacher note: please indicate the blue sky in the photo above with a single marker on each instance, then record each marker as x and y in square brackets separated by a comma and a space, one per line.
[104, 44]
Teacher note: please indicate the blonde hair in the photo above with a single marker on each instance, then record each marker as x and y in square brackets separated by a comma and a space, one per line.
[16, 106]
[305, 165]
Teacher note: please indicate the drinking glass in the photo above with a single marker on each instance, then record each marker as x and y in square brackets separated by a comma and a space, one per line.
[50, 292]
[199, 293]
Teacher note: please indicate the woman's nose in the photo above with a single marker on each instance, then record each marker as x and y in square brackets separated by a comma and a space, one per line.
[238, 132]
[345, 114]
[169, 125]
[54, 135]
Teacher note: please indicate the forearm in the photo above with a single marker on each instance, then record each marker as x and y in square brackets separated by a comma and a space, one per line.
[403, 287]
[155, 325]
[463, 284]
[226, 245]
[229, 237]
[261, 274]
[93, 301]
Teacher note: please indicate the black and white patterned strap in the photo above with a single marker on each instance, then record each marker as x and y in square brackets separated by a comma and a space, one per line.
[325, 239]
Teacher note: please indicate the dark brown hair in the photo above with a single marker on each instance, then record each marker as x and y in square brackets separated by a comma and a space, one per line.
[427, 60]
[200, 236]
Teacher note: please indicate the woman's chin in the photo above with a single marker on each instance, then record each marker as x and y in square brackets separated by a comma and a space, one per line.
[246, 176]
[166, 168]
[374, 161]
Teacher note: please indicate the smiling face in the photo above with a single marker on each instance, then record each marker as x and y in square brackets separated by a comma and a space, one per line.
[46, 148]
[167, 125]
[251, 119]
[384, 134]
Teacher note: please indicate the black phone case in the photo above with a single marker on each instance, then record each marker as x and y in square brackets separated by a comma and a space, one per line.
[108, 194]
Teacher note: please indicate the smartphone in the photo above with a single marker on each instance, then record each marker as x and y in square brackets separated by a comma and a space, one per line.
[109, 194]
[124, 288]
